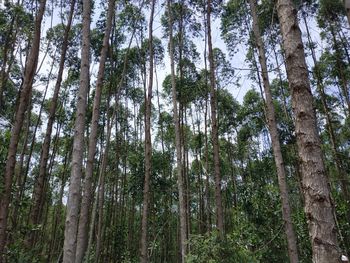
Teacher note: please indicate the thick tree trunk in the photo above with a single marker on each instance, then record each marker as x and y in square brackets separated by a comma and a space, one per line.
[319, 207]
[180, 182]
[148, 147]
[25, 94]
[214, 129]
[82, 238]
[272, 125]
[321, 90]
[71, 226]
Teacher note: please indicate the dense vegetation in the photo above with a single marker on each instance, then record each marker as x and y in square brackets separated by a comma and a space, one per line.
[129, 132]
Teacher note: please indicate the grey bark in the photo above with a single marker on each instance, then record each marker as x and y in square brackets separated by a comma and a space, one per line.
[180, 182]
[148, 147]
[214, 128]
[71, 224]
[82, 238]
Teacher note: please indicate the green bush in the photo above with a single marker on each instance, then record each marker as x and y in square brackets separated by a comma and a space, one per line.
[212, 249]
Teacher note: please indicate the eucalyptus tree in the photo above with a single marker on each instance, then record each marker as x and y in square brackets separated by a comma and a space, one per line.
[25, 94]
[148, 145]
[38, 191]
[87, 191]
[272, 125]
[319, 207]
[329, 19]
[214, 128]
[179, 161]
[71, 226]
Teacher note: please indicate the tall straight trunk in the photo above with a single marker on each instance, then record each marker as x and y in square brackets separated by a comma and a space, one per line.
[319, 207]
[343, 80]
[44, 155]
[180, 182]
[82, 238]
[214, 128]
[276, 146]
[71, 225]
[206, 148]
[148, 147]
[25, 94]
[101, 190]
[321, 90]
[7, 56]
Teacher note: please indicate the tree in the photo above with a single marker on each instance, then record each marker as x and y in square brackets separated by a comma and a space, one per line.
[272, 125]
[214, 128]
[71, 226]
[180, 182]
[148, 146]
[35, 215]
[25, 94]
[319, 207]
[82, 237]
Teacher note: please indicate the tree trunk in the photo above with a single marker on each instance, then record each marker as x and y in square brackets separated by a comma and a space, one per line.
[35, 215]
[214, 129]
[148, 147]
[347, 8]
[44, 155]
[25, 94]
[82, 238]
[180, 182]
[71, 225]
[319, 207]
[334, 145]
[272, 125]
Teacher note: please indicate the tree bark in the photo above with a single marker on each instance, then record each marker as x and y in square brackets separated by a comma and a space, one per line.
[82, 238]
[276, 146]
[214, 128]
[319, 207]
[25, 94]
[71, 225]
[44, 155]
[148, 147]
[321, 90]
[180, 182]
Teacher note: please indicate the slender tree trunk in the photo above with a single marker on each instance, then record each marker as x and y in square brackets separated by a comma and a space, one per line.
[71, 226]
[44, 155]
[215, 135]
[180, 182]
[101, 194]
[347, 8]
[342, 78]
[319, 207]
[82, 238]
[25, 94]
[148, 147]
[7, 60]
[272, 125]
